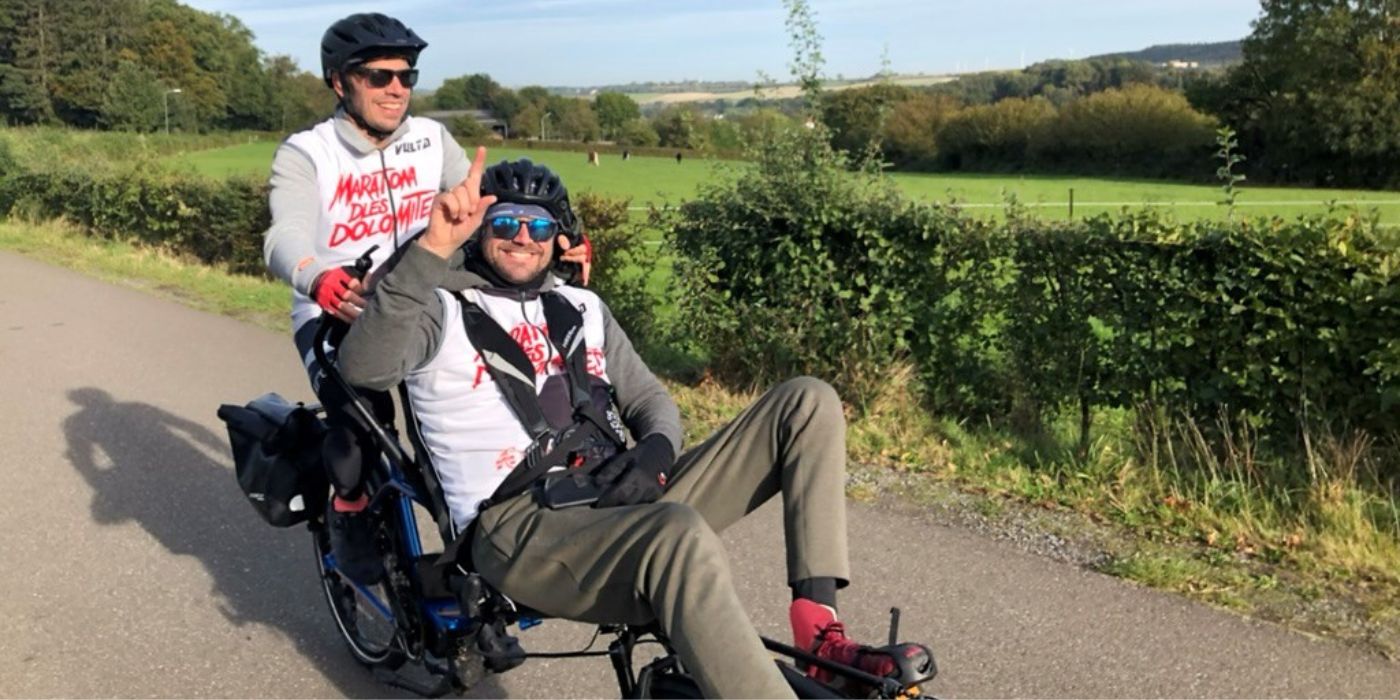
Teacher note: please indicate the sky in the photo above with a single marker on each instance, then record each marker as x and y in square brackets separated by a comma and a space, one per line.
[602, 42]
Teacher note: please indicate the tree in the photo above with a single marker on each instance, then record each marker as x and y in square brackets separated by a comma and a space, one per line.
[534, 94]
[526, 123]
[297, 97]
[239, 67]
[25, 62]
[724, 134]
[507, 104]
[678, 126]
[637, 133]
[134, 99]
[994, 137]
[476, 91]
[58, 59]
[763, 124]
[91, 34]
[1318, 94]
[573, 120]
[856, 116]
[467, 129]
[1139, 129]
[911, 129]
[168, 51]
[614, 110]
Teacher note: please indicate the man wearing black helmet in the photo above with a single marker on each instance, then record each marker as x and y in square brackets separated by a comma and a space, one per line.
[362, 179]
[524, 392]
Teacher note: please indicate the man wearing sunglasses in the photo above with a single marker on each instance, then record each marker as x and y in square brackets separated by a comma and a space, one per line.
[361, 181]
[523, 393]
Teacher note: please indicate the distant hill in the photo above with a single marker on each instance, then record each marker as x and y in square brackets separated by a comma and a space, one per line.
[657, 87]
[1207, 54]
[1214, 54]
[733, 91]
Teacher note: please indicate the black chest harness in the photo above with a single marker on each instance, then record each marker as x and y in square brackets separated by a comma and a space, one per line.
[592, 434]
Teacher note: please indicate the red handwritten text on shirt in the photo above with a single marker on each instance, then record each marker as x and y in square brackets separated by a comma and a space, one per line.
[371, 185]
[375, 219]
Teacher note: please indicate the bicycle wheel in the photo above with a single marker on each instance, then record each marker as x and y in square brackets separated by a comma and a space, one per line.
[366, 625]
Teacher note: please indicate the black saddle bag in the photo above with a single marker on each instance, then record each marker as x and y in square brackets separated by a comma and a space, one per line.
[276, 456]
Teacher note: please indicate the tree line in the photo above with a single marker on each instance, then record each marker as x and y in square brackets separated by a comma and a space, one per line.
[536, 112]
[1315, 100]
[131, 64]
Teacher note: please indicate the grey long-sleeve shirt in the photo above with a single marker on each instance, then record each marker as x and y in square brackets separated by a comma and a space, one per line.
[296, 203]
[401, 329]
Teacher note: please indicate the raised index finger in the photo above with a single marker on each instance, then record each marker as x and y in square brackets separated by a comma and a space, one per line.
[478, 168]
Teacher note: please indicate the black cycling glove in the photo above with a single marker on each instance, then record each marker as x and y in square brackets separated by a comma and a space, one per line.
[637, 475]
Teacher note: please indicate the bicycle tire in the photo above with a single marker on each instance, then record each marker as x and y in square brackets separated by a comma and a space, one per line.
[342, 600]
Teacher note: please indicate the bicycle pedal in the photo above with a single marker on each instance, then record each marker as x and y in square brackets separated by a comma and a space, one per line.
[501, 651]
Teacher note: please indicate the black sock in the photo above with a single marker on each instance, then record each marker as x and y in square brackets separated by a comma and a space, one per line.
[818, 590]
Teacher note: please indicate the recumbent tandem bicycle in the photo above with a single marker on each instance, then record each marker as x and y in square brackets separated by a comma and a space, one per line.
[447, 622]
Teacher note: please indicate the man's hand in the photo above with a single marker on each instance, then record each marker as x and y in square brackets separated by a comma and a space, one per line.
[637, 475]
[458, 212]
[582, 255]
[337, 291]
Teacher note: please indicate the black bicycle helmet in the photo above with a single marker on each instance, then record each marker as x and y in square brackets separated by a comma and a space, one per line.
[360, 36]
[523, 182]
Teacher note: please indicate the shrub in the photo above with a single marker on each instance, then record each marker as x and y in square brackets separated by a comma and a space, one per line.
[994, 137]
[911, 129]
[789, 267]
[1139, 130]
[215, 221]
[622, 260]
[637, 132]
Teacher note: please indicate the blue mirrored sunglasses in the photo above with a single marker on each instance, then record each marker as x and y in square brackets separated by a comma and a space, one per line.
[507, 227]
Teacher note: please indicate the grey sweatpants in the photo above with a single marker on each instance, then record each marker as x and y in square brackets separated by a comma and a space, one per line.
[664, 561]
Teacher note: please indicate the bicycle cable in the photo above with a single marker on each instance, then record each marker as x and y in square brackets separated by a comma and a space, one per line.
[570, 654]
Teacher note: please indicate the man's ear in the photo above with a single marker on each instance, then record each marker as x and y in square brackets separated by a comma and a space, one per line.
[337, 85]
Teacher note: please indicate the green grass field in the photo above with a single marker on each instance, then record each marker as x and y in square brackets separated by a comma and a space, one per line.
[652, 180]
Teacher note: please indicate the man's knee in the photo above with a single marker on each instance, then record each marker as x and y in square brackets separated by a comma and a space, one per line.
[813, 395]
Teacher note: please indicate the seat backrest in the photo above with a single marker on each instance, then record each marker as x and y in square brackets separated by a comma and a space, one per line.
[424, 476]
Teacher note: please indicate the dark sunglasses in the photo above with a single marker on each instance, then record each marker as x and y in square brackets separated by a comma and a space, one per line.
[508, 227]
[381, 77]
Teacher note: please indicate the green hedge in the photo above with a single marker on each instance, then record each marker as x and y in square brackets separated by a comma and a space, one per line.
[1284, 321]
[798, 266]
[218, 222]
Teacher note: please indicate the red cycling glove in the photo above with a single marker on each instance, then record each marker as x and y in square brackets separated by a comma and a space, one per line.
[332, 287]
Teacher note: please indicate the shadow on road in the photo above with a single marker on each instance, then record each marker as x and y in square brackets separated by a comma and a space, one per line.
[155, 468]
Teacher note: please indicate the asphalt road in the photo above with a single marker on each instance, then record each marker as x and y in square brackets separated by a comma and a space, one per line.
[130, 567]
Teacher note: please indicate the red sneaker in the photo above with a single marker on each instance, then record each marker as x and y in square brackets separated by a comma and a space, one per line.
[816, 629]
